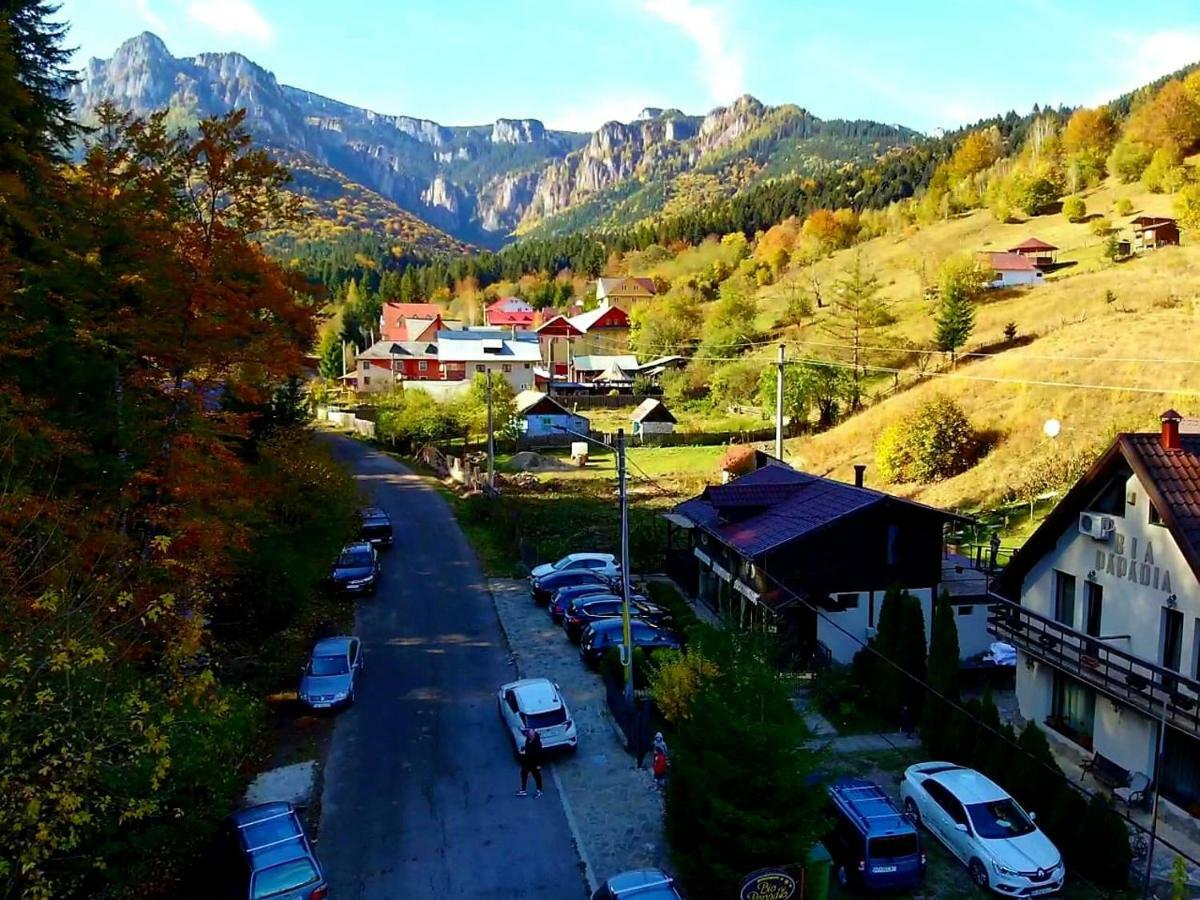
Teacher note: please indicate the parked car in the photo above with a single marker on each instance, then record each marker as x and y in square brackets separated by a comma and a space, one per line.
[605, 633]
[874, 846]
[643, 884]
[537, 703]
[357, 569]
[604, 563]
[544, 588]
[330, 677]
[984, 827]
[561, 599]
[268, 855]
[583, 611]
[376, 527]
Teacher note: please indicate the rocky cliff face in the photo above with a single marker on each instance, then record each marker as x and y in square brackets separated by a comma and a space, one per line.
[479, 183]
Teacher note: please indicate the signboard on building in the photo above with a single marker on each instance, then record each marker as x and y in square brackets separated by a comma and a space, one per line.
[1129, 561]
[773, 884]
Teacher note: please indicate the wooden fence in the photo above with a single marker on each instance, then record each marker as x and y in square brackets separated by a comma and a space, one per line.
[583, 402]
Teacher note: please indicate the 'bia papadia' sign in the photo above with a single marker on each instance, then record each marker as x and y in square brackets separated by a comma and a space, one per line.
[1134, 563]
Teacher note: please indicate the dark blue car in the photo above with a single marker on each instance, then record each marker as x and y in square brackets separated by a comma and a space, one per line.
[874, 846]
[557, 607]
[270, 856]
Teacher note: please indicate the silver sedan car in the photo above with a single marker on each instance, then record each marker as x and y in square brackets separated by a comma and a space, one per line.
[330, 677]
[536, 703]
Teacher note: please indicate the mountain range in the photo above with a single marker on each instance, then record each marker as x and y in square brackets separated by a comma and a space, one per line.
[434, 186]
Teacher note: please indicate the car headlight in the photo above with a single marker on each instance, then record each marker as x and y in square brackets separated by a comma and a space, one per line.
[339, 695]
[1002, 869]
[358, 582]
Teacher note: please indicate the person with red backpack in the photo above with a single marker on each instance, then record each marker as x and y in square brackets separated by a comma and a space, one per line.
[659, 764]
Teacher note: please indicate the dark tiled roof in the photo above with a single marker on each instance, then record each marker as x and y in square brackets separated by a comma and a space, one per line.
[776, 505]
[1171, 479]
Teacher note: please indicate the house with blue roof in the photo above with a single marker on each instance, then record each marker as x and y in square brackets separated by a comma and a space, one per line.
[811, 558]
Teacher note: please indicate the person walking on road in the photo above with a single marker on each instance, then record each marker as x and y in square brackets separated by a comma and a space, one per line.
[660, 763]
[531, 762]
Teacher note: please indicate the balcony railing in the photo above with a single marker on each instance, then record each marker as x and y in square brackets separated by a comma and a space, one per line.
[1122, 676]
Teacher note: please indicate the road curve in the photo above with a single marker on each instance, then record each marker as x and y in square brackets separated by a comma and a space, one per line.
[418, 799]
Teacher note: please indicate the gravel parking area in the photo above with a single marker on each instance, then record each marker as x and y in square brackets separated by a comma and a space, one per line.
[616, 811]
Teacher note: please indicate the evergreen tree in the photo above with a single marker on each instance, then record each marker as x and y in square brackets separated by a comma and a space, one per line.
[954, 322]
[330, 355]
[858, 312]
[942, 678]
[900, 639]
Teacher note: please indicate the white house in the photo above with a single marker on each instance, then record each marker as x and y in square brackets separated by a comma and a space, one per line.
[464, 354]
[1106, 618]
[1010, 269]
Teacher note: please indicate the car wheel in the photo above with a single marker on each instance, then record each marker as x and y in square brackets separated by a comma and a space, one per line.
[910, 810]
[979, 874]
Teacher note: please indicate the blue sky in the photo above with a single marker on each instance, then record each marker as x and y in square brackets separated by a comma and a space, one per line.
[578, 63]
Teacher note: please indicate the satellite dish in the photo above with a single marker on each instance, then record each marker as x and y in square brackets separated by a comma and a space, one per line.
[1052, 428]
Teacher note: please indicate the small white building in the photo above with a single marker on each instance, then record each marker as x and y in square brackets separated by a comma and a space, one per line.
[541, 416]
[513, 357]
[1011, 270]
[1105, 611]
[652, 417]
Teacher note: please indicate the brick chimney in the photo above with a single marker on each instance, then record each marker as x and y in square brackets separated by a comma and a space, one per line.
[1170, 430]
[859, 471]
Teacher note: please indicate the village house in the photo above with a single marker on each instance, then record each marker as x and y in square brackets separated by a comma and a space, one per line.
[1103, 605]
[387, 364]
[601, 331]
[1152, 232]
[1010, 269]
[409, 321]
[541, 416]
[811, 559]
[1037, 251]
[652, 417]
[624, 291]
[512, 313]
[513, 357]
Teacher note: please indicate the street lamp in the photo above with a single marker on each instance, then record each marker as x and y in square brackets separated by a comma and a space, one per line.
[622, 480]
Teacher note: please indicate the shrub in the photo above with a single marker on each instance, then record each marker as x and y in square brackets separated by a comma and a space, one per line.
[1010, 331]
[933, 443]
[1101, 843]
[1129, 159]
[1101, 226]
[1123, 207]
[1164, 174]
[677, 677]
[1187, 206]
[1074, 208]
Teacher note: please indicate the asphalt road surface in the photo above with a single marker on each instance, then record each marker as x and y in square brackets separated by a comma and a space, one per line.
[419, 795]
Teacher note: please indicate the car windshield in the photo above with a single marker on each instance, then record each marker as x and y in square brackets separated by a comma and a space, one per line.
[564, 563]
[546, 719]
[999, 819]
[893, 846]
[600, 610]
[284, 877]
[328, 665]
[355, 559]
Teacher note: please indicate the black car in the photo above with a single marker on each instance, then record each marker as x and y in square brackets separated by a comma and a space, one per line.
[605, 633]
[356, 570]
[268, 855]
[583, 611]
[376, 527]
[561, 601]
[543, 588]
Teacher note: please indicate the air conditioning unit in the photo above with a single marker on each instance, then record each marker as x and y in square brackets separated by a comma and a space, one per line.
[1098, 528]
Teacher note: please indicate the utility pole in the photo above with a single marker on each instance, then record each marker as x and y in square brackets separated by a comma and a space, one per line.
[627, 642]
[491, 440]
[779, 406]
[1158, 762]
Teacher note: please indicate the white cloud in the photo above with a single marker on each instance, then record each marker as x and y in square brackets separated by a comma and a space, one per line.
[1141, 58]
[232, 18]
[705, 25]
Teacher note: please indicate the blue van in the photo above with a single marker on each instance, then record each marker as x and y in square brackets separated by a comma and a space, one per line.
[874, 846]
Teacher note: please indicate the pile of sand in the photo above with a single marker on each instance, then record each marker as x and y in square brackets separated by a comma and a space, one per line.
[528, 461]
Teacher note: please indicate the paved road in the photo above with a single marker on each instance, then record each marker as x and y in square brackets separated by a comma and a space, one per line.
[419, 788]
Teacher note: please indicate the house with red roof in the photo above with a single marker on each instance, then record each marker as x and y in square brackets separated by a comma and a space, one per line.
[1102, 603]
[512, 313]
[1152, 232]
[1037, 251]
[394, 321]
[1010, 269]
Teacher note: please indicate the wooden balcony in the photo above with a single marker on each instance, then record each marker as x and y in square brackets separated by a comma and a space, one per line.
[1128, 679]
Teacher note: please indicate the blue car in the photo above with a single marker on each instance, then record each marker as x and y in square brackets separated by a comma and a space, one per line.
[270, 856]
[874, 846]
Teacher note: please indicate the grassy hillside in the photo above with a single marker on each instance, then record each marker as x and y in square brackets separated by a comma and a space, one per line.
[1076, 333]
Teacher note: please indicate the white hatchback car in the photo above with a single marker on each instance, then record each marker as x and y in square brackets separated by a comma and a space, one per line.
[536, 703]
[984, 827]
[601, 563]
